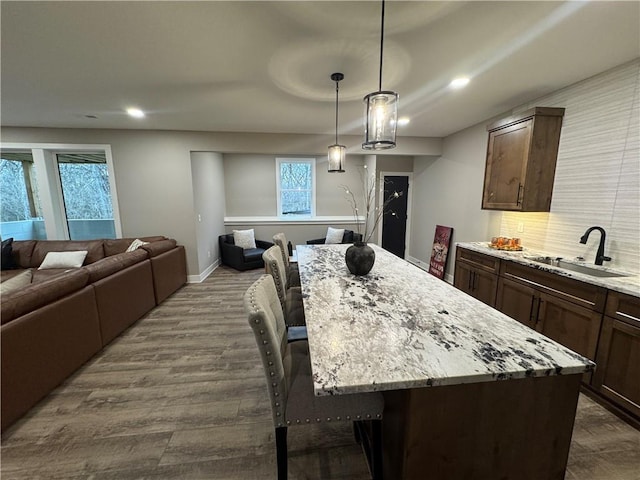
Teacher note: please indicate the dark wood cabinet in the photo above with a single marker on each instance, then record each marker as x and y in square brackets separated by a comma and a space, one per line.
[566, 310]
[477, 275]
[602, 325]
[617, 376]
[521, 161]
[555, 316]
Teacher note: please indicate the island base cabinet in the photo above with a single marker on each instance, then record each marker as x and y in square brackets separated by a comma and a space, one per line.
[617, 376]
[517, 429]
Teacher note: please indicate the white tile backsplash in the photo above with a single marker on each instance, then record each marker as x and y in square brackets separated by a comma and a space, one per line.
[597, 180]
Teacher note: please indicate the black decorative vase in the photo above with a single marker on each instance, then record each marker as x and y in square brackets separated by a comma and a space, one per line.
[360, 258]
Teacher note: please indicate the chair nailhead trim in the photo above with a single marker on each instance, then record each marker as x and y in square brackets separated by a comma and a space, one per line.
[307, 420]
[298, 421]
[348, 417]
[317, 420]
[288, 422]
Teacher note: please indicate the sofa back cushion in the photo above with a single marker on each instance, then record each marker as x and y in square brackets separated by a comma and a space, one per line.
[22, 252]
[94, 248]
[114, 246]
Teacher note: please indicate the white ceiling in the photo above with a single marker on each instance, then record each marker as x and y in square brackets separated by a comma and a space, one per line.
[265, 66]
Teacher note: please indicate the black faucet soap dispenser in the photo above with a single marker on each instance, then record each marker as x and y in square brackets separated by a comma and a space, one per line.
[600, 256]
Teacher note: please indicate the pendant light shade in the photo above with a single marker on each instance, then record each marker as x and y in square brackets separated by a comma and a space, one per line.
[381, 111]
[336, 156]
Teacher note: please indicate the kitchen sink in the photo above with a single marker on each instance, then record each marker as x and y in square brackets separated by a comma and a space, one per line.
[574, 267]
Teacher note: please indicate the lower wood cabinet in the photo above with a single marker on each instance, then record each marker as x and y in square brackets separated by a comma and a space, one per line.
[477, 283]
[476, 274]
[601, 325]
[617, 376]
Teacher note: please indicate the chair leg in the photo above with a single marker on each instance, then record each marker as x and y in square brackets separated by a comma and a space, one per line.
[376, 427]
[356, 432]
[281, 452]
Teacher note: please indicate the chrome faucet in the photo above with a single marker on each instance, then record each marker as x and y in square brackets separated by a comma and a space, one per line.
[600, 257]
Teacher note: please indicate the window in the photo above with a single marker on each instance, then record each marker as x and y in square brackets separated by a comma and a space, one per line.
[20, 210]
[296, 178]
[87, 197]
[58, 192]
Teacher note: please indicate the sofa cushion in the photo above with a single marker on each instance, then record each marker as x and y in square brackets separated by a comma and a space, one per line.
[113, 246]
[114, 263]
[31, 297]
[94, 249]
[23, 252]
[156, 248]
[7, 260]
[244, 238]
[72, 259]
[16, 282]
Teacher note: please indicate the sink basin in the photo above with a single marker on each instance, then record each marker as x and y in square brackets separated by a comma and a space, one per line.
[584, 269]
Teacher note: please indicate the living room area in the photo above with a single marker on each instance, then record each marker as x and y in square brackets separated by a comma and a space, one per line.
[156, 370]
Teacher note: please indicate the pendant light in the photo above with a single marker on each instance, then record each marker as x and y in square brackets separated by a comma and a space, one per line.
[381, 111]
[337, 152]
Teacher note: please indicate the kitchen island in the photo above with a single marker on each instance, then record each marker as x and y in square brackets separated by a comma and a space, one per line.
[469, 392]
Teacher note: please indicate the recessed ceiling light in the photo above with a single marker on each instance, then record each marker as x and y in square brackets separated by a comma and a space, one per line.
[459, 82]
[135, 112]
[403, 121]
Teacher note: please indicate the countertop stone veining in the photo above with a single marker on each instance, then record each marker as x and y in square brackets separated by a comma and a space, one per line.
[400, 327]
[629, 284]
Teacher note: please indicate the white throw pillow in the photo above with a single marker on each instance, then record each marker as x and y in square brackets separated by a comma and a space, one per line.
[14, 283]
[137, 243]
[334, 235]
[244, 238]
[72, 259]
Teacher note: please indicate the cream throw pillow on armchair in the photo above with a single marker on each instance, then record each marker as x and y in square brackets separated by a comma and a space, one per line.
[334, 235]
[244, 238]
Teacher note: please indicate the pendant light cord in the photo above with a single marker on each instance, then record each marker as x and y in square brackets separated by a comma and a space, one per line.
[381, 46]
[337, 81]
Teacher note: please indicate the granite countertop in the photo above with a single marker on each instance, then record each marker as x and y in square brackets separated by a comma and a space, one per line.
[629, 284]
[400, 327]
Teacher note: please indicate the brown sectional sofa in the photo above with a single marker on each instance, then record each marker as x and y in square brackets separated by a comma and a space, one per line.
[64, 317]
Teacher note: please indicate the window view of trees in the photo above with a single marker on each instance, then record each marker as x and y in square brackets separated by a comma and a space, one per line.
[84, 178]
[19, 198]
[296, 187]
[85, 187]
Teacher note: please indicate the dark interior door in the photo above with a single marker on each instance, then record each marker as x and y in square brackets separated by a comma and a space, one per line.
[394, 220]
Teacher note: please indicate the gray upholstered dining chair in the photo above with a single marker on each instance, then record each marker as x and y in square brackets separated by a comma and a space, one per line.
[293, 274]
[289, 382]
[290, 297]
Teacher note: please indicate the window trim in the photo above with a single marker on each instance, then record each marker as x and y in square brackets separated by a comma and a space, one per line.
[292, 217]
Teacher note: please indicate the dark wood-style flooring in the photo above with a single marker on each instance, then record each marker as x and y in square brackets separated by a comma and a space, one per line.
[182, 395]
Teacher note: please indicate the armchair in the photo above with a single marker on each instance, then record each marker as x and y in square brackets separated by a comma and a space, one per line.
[239, 258]
[349, 237]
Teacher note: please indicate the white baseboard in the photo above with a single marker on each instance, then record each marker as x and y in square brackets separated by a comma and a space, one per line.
[425, 266]
[203, 276]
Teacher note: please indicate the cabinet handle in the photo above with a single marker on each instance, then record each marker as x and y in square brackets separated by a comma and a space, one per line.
[540, 302]
[518, 199]
[533, 312]
[470, 282]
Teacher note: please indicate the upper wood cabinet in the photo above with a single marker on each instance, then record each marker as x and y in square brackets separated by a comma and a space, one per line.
[521, 161]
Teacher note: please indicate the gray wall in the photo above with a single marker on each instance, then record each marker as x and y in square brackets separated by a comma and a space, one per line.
[207, 170]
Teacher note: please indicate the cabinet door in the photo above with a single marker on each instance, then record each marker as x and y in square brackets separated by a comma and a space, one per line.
[573, 326]
[617, 375]
[485, 286]
[462, 278]
[507, 155]
[477, 283]
[518, 301]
